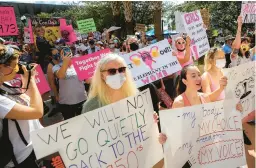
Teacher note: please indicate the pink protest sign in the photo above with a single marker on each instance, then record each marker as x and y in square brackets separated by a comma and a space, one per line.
[8, 25]
[85, 65]
[41, 82]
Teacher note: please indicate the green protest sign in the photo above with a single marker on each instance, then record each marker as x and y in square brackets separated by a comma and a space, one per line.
[86, 25]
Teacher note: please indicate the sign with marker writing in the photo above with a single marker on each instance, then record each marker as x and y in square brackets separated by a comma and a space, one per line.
[206, 136]
[152, 63]
[122, 134]
[248, 11]
[241, 86]
[86, 25]
[85, 65]
[8, 25]
[193, 24]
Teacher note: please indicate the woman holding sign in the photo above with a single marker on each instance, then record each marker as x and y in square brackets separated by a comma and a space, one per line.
[18, 112]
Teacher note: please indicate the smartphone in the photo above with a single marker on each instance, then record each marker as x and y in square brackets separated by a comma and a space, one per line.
[66, 51]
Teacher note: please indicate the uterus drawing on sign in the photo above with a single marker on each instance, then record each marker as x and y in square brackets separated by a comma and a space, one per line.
[146, 57]
[244, 88]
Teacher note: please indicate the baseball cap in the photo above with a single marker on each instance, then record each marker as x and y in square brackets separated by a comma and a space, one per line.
[6, 55]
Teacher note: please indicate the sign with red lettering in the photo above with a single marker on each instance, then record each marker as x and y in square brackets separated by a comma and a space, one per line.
[193, 24]
[152, 63]
[209, 136]
[122, 134]
[8, 25]
[248, 11]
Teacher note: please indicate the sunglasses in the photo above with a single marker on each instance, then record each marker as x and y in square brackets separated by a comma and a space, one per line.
[180, 42]
[112, 71]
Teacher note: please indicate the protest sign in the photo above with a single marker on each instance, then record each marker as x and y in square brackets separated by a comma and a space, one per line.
[28, 33]
[248, 11]
[8, 25]
[50, 27]
[152, 63]
[86, 25]
[206, 136]
[41, 82]
[241, 86]
[140, 27]
[85, 65]
[194, 27]
[179, 22]
[122, 134]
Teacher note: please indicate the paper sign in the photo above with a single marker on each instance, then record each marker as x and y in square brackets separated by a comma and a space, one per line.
[28, 33]
[203, 136]
[85, 65]
[248, 12]
[194, 27]
[68, 34]
[241, 86]
[179, 22]
[140, 27]
[45, 22]
[123, 133]
[152, 63]
[41, 82]
[86, 25]
[8, 25]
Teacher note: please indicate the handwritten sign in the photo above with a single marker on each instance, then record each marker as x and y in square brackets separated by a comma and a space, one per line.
[140, 27]
[205, 136]
[179, 22]
[122, 134]
[194, 27]
[152, 63]
[241, 86]
[85, 65]
[8, 25]
[41, 82]
[248, 12]
[86, 25]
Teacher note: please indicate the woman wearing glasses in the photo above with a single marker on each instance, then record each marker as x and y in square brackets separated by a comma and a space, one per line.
[183, 52]
[111, 82]
[18, 113]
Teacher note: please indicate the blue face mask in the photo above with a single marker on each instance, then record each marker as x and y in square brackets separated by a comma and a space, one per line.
[56, 56]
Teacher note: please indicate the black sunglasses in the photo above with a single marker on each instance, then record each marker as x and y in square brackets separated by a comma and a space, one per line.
[180, 42]
[112, 71]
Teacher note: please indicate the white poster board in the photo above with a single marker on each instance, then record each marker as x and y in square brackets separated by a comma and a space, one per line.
[248, 11]
[123, 133]
[194, 27]
[203, 136]
[241, 86]
[152, 63]
[179, 22]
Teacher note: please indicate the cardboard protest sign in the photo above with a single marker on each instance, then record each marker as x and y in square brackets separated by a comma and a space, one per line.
[152, 63]
[86, 25]
[122, 134]
[28, 33]
[248, 11]
[85, 65]
[179, 22]
[241, 86]
[194, 27]
[8, 25]
[41, 82]
[140, 27]
[49, 27]
[206, 136]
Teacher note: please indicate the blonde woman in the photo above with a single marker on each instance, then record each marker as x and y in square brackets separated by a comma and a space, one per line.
[111, 82]
[212, 74]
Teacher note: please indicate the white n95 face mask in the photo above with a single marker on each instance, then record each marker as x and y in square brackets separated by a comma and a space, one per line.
[115, 81]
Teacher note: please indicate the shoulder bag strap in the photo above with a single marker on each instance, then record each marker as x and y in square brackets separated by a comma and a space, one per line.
[20, 132]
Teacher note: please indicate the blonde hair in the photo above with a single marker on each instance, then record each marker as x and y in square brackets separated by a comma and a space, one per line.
[100, 89]
[209, 58]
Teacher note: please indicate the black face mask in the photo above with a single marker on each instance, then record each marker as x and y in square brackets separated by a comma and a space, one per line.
[91, 42]
[134, 46]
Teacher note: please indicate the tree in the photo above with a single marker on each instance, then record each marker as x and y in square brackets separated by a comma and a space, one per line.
[128, 16]
[158, 19]
[115, 5]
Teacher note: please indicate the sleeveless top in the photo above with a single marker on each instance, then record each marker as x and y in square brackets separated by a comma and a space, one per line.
[186, 101]
[214, 87]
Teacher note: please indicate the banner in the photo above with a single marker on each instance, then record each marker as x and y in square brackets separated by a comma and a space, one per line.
[194, 27]
[85, 65]
[122, 134]
[152, 63]
[86, 25]
[248, 11]
[8, 25]
[206, 136]
[179, 22]
[140, 27]
[241, 86]
[41, 82]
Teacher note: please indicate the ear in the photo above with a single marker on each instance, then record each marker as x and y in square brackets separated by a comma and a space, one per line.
[184, 81]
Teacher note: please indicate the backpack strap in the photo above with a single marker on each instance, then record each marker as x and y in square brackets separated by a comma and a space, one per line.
[20, 132]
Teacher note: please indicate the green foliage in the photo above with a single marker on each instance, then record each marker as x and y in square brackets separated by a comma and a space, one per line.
[44, 15]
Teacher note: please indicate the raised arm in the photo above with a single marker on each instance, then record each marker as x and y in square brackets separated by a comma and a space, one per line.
[187, 53]
[237, 42]
[215, 95]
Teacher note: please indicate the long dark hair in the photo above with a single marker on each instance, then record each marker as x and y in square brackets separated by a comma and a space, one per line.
[183, 75]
